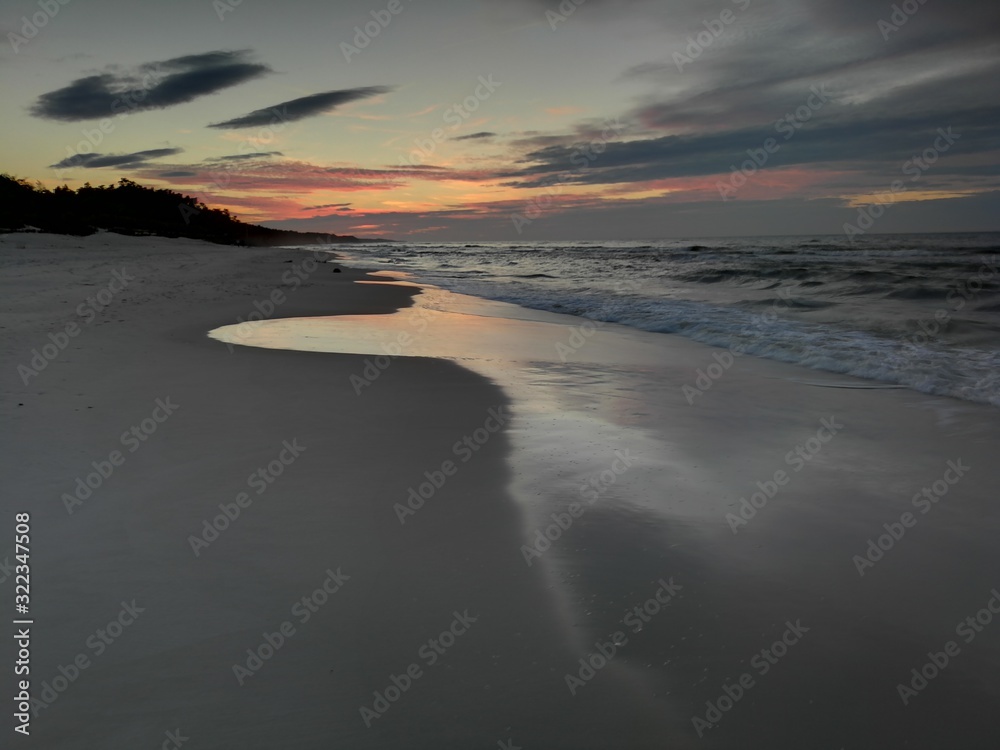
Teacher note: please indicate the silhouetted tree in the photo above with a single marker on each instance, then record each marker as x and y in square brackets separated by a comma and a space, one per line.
[131, 208]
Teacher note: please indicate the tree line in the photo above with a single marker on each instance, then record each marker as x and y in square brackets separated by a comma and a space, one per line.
[130, 208]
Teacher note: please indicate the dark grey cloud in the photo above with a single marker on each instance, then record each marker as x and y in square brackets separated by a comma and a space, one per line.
[154, 85]
[880, 145]
[98, 161]
[888, 96]
[778, 48]
[291, 177]
[178, 173]
[338, 206]
[420, 167]
[475, 136]
[244, 157]
[952, 19]
[298, 109]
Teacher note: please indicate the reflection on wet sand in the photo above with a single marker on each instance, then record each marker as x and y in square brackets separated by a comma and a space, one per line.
[624, 484]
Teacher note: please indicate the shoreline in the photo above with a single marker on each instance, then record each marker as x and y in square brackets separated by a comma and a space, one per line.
[927, 330]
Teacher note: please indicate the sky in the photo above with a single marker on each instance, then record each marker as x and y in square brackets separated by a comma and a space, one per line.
[519, 120]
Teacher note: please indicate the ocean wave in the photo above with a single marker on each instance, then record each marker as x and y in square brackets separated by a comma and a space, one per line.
[874, 302]
[960, 372]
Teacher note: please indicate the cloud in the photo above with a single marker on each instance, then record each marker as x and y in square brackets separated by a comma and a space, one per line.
[287, 177]
[888, 99]
[878, 144]
[154, 85]
[243, 157]
[338, 206]
[98, 161]
[178, 173]
[474, 136]
[298, 109]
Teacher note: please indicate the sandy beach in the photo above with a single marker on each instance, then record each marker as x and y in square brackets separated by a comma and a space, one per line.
[174, 667]
[424, 520]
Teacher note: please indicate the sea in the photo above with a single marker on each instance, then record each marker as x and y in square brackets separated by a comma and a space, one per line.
[915, 311]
